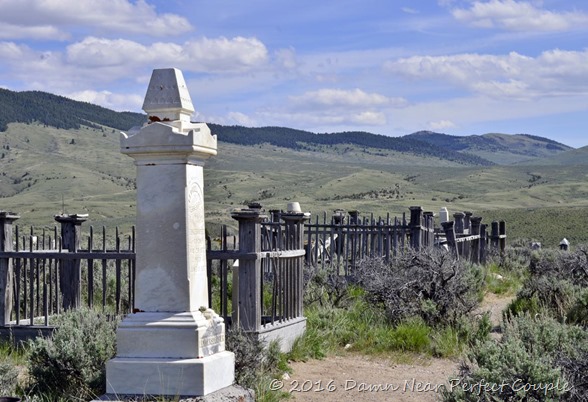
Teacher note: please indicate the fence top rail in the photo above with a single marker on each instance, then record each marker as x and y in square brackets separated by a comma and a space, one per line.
[70, 255]
[357, 225]
[239, 255]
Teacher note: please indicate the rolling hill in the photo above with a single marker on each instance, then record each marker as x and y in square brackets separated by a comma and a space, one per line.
[45, 169]
[577, 156]
[501, 149]
[60, 112]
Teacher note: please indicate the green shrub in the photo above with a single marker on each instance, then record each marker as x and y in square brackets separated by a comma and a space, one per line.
[504, 279]
[256, 363]
[522, 305]
[452, 340]
[515, 259]
[325, 287]
[430, 284]
[71, 363]
[557, 284]
[528, 354]
[411, 335]
[575, 370]
[578, 313]
[8, 378]
[248, 350]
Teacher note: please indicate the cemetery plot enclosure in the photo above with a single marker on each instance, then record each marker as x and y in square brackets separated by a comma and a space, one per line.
[255, 277]
[265, 273]
[340, 242]
[47, 271]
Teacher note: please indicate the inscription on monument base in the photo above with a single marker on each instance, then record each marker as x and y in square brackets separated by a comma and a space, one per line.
[212, 339]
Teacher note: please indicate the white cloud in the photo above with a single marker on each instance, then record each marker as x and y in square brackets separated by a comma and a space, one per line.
[464, 111]
[409, 10]
[519, 16]
[96, 63]
[99, 52]
[344, 98]
[28, 18]
[371, 118]
[11, 31]
[318, 120]
[286, 58]
[441, 125]
[108, 99]
[240, 119]
[333, 108]
[222, 54]
[202, 55]
[552, 73]
[10, 51]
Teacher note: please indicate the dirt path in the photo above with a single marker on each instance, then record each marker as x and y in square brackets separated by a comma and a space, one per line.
[359, 378]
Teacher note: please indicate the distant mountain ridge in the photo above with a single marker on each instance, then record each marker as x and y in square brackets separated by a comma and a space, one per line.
[474, 150]
[520, 147]
[296, 139]
[60, 112]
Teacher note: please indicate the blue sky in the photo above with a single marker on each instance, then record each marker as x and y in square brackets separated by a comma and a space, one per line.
[390, 67]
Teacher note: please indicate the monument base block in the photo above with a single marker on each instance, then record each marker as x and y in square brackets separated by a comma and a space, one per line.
[170, 354]
[170, 377]
[171, 335]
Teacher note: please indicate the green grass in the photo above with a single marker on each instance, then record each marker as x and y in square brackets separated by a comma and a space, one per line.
[502, 280]
[363, 327]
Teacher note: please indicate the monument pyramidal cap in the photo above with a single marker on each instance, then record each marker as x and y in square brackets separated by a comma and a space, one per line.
[175, 344]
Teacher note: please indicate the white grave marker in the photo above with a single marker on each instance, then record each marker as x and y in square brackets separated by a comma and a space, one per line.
[175, 344]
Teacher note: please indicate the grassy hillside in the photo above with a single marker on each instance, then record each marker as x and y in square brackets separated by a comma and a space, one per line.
[60, 112]
[41, 167]
[378, 144]
[502, 149]
[572, 157]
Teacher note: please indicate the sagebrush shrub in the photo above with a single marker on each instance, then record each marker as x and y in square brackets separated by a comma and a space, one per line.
[575, 370]
[557, 284]
[8, 378]
[325, 287]
[248, 350]
[255, 360]
[430, 284]
[71, 363]
[529, 353]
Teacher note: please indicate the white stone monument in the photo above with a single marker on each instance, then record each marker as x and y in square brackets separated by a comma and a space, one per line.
[174, 344]
[443, 215]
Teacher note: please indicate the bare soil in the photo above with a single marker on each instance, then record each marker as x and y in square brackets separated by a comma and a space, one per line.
[351, 376]
[360, 378]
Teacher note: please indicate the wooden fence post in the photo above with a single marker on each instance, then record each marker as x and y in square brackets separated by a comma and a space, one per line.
[467, 221]
[502, 234]
[483, 243]
[450, 236]
[476, 221]
[353, 217]
[467, 230]
[294, 227]
[70, 270]
[458, 229]
[248, 309]
[494, 236]
[415, 227]
[6, 277]
[429, 228]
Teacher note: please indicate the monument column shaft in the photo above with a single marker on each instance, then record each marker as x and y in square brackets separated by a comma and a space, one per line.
[170, 217]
